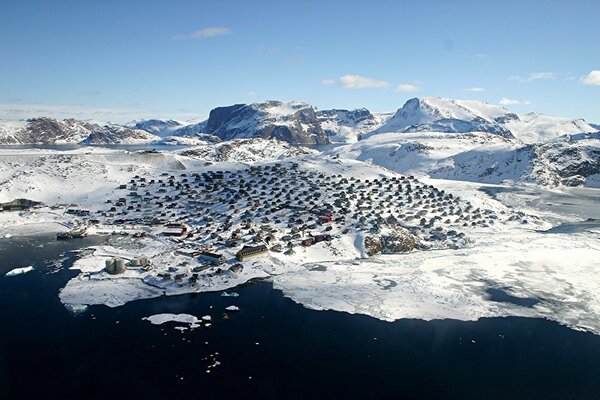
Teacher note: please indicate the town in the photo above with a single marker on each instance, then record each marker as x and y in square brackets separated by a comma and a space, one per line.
[215, 225]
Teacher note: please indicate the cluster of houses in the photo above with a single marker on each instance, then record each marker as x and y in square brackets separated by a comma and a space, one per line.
[224, 218]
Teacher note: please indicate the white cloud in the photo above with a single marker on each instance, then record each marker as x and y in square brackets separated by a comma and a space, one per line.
[361, 82]
[474, 89]
[481, 56]
[534, 76]
[407, 87]
[512, 102]
[252, 93]
[204, 33]
[591, 79]
[328, 82]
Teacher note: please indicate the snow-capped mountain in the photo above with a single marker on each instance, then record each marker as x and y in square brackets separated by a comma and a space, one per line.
[344, 126]
[439, 137]
[293, 122]
[438, 114]
[45, 130]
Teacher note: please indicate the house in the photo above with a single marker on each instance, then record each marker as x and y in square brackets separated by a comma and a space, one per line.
[175, 229]
[322, 238]
[308, 242]
[325, 218]
[211, 258]
[251, 251]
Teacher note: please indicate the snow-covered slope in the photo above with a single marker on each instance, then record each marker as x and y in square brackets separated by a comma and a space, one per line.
[293, 122]
[45, 130]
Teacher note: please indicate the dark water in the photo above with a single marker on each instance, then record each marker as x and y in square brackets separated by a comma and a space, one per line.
[47, 353]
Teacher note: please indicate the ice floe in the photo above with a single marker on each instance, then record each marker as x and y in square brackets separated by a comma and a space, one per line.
[19, 271]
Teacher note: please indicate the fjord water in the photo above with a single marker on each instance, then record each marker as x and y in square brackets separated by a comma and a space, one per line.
[271, 349]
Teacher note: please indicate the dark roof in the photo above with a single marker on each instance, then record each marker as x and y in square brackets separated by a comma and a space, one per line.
[252, 249]
[209, 254]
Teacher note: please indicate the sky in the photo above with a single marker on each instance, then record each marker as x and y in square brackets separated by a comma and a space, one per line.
[123, 60]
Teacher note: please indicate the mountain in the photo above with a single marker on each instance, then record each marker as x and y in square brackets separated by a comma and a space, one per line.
[293, 122]
[45, 130]
[344, 126]
[439, 114]
[595, 126]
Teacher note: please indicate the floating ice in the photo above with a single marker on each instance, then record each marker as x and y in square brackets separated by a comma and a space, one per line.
[159, 319]
[19, 271]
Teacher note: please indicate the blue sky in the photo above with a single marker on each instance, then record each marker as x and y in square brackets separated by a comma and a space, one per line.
[120, 60]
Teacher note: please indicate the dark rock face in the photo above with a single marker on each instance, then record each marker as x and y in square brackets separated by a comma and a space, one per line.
[298, 123]
[221, 116]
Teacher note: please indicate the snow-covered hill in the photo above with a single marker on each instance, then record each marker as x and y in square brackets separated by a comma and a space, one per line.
[246, 150]
[480, 157]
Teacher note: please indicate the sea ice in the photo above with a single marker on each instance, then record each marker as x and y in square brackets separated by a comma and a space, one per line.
[159, 319]
[19, 271]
